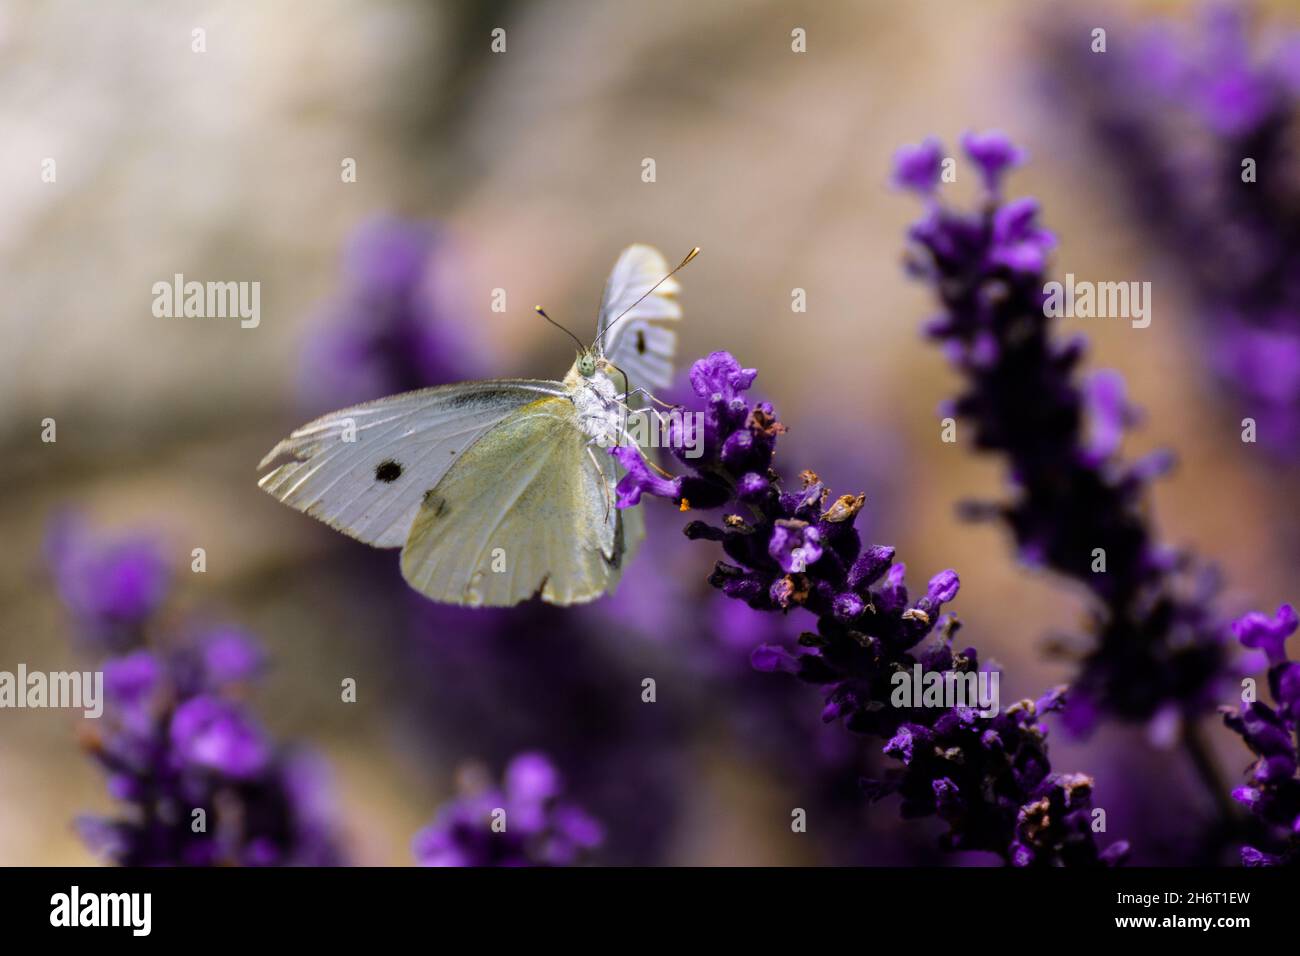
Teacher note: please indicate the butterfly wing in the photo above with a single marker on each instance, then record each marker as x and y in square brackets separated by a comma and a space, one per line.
[642, 343]
[365, 470]
[528, 510]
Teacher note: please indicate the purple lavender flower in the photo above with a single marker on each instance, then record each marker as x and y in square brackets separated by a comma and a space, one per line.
[1177, 113]
[110, 586]
[208, 733]
[384, 331]
[639, 478]
[172, 742]
[993, 154]
[1272, 793]
[918, 167]
[1157, 643]
[523, 822]
[794, 545]
[228, 656]
[987, 777]
[168, 755]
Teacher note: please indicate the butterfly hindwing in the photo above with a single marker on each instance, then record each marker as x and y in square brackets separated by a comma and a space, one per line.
[527, 511]
[364, 470]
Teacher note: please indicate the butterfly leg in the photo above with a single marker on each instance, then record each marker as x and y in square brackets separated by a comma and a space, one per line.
[628, 410]
[604, 484]
[641, 390]
[665, 432]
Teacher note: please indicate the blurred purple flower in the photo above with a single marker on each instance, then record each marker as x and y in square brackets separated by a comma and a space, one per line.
[169, 743]
[384, 332]
[918, 167]
[110, 585]
[169, 755]
[213, 734]
[229, 656]
[522, 823]
[1108, 415]
[132, 679]
[994, 154]
[1158, 639]
[1200, 126]
[571, 688]
[1261, 632]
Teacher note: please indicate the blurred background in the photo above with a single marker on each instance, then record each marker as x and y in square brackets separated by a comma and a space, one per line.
[522, 171]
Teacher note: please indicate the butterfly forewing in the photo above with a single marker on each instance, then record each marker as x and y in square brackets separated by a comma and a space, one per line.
[364, 470]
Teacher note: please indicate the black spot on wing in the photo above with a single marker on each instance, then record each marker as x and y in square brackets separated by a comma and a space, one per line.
[640, 342]
[388, 471]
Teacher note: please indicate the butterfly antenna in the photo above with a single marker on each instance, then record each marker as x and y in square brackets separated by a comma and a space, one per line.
[681, 265]
[542, 312]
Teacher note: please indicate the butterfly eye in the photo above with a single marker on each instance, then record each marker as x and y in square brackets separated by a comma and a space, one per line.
[587, 365]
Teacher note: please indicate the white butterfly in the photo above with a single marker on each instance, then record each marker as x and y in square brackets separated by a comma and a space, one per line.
[492, 489]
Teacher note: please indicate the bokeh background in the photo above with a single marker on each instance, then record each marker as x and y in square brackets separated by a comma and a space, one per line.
[522, 171]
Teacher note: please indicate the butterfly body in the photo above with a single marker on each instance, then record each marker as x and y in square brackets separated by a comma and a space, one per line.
[597, 404]
[496, 491]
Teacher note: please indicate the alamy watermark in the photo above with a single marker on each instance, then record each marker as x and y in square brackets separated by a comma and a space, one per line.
[82, 690]
[1098, 300]
[133, 911]
[977, 690]
[677, 429]
[208, 300]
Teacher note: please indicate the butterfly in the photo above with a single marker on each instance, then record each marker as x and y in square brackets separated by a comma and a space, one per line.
[492, 489]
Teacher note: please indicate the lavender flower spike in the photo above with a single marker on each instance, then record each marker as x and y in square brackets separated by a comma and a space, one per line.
[1157, 645]
[1272, 793]
[986, 776]
[172, 744]
[202, 783]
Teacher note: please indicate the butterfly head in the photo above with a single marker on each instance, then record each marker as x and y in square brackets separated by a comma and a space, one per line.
[586, 363]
